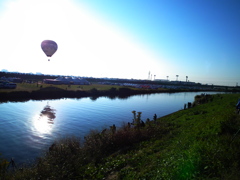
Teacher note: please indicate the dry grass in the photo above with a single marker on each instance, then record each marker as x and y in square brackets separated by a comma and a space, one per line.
[34, 86]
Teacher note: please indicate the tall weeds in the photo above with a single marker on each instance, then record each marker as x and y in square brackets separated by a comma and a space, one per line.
[68, 158]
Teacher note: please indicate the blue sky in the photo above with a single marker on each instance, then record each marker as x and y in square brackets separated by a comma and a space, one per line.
[128, 38]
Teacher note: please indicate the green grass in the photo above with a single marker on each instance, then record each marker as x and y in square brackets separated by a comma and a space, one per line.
[197, 143]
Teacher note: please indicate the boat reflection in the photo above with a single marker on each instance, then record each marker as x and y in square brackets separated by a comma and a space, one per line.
[43, 123]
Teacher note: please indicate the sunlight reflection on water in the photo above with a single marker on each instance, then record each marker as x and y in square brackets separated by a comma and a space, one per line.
[43, 124]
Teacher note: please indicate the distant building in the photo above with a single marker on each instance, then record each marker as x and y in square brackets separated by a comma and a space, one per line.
[11, 79]
[7, 85]
[161, 80]
[67, 80]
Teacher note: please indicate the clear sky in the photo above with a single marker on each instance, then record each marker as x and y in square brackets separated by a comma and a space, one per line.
[124, 38]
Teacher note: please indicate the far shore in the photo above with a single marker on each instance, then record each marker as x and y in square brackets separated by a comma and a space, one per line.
[94, 91]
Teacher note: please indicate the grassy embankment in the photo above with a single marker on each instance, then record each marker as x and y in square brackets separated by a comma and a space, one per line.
[197, 143]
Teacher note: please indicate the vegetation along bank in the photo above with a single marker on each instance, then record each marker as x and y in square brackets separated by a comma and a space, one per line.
[25, 91]
[196, 143]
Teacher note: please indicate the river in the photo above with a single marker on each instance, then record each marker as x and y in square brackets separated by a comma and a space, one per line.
[26, 131]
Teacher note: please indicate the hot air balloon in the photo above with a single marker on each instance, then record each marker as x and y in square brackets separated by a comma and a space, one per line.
[49, 47]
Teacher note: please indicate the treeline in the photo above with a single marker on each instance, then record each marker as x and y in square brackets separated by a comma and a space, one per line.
[27, 76]
[57, 93]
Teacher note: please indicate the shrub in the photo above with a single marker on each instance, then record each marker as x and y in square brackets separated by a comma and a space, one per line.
[3, 167]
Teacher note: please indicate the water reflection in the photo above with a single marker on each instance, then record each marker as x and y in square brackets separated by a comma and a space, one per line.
[43, 123]
[94, 98]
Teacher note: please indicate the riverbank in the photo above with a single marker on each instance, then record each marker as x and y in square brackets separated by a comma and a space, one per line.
[26, 92]
[196, 143]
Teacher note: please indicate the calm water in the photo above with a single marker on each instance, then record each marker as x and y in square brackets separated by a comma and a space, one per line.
[25, 132]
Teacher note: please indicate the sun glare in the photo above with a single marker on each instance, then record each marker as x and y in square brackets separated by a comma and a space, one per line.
[42, 125]
[87, 45]
[44, 121]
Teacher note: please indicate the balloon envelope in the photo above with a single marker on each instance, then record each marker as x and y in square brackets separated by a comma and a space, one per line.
[49, 47]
